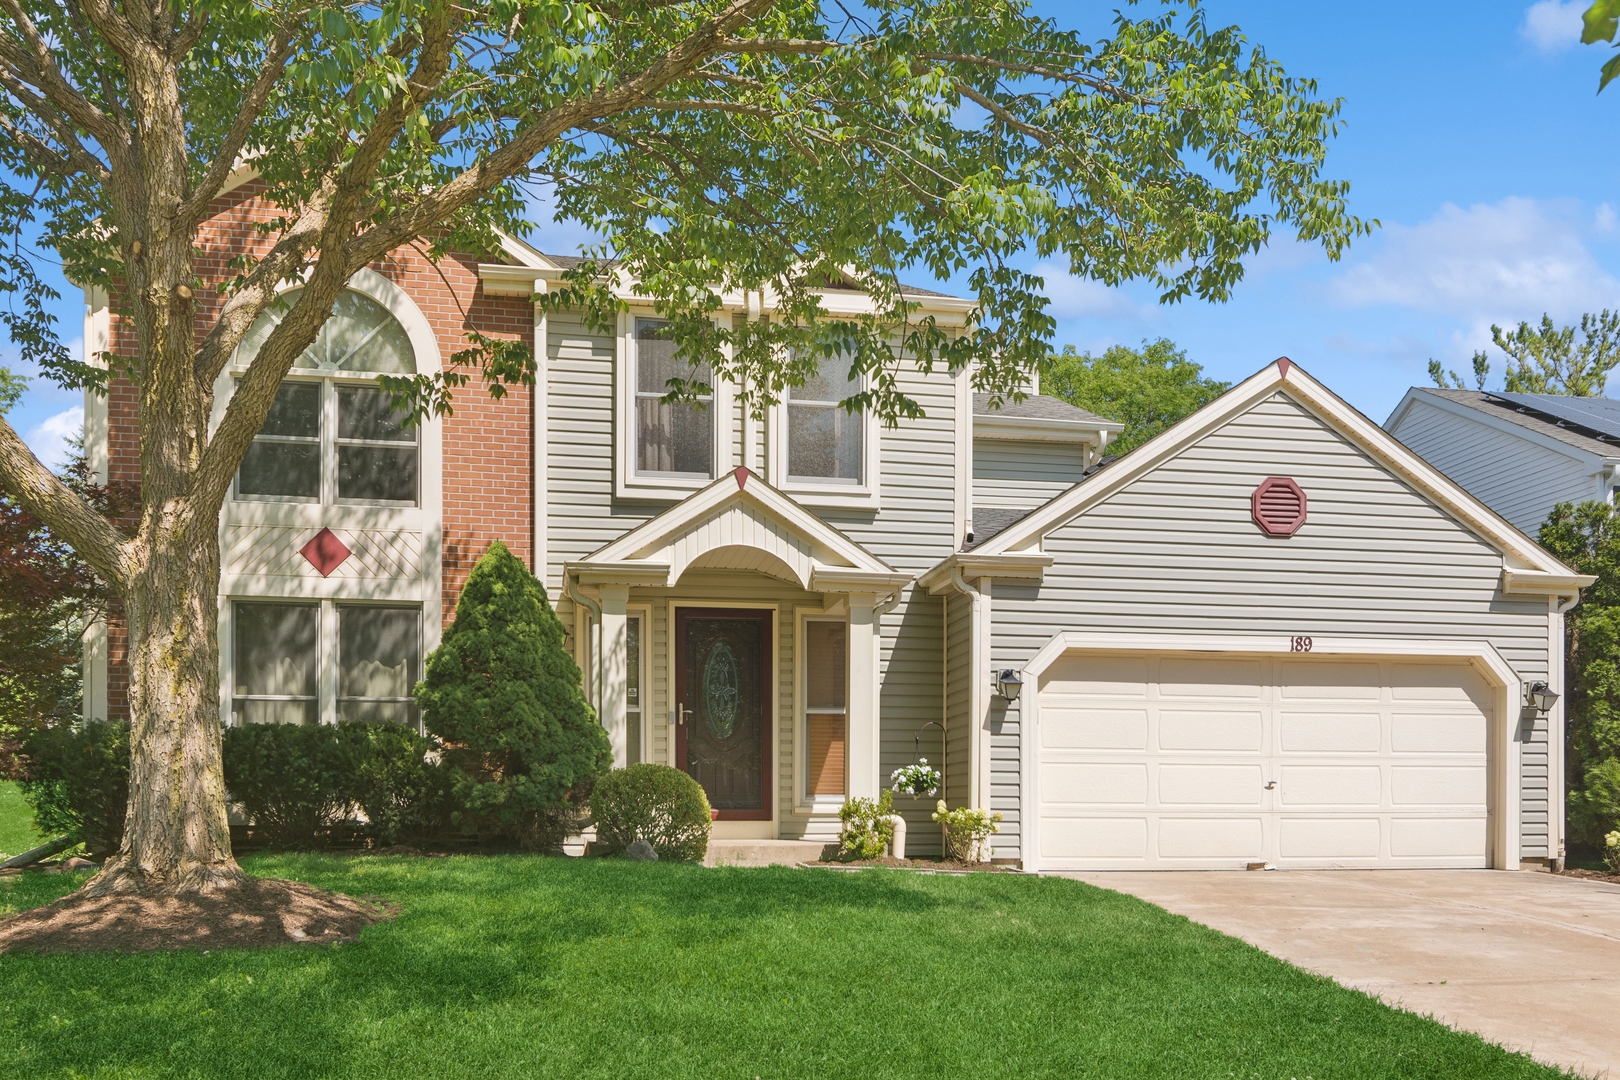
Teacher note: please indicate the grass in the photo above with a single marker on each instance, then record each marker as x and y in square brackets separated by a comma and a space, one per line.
[17, 833]
[534, 967]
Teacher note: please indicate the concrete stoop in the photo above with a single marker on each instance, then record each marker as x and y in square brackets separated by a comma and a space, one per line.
[762, 852]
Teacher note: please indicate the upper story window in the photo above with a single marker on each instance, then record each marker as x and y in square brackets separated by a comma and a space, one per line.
[672, 439]
[824, 441]
[331, 436]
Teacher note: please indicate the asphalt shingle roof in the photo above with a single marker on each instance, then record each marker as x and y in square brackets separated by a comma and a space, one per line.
[1576, 435]
[1036, 407]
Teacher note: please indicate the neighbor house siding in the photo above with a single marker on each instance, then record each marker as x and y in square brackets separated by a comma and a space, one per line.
[1175, 552]
[1023, 474]
[1517, 477]
[960, 720]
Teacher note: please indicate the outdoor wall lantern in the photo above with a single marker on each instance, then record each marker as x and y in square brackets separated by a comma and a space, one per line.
[1539, 697]
[1008, 683]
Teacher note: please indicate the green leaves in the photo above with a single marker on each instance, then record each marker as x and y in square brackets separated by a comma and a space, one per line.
[1548, 360]
[1599, 23]
[1146, 389]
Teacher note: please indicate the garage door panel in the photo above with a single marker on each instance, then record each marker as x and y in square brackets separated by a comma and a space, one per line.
[1317, 680]
[1181, 677]
[1436, 837]
[1331, 785]
[1454, 683]
[1330, 732]
[1082, 783]
[1328, 838]
[1093, 674]
[1211, 838]
[1211, 785]
[1426, 785]
[1094, 729]
[1438, 732]
[1210, 730]
[1094, 838]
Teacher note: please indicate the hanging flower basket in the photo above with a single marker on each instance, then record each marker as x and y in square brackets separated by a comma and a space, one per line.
[920, 780]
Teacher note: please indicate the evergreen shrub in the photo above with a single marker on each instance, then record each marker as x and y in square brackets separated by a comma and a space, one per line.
[77, 780]
[405, 797]
[504, 697]
[655, 803]
[292, 780]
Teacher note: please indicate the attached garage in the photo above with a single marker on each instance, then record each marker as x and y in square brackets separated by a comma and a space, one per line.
[1207, 760]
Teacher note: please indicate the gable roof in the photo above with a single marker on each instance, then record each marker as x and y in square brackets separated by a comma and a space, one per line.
[760, 527]
[1528, 567]
[1528, 412]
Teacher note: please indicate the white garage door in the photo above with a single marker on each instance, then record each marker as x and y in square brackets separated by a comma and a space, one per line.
[1172, 761]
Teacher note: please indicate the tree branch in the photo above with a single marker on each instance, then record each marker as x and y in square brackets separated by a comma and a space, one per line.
[70, 517]
[36, 65]
[996, 109]
[779, 46]
[709, 106]
[73, 151]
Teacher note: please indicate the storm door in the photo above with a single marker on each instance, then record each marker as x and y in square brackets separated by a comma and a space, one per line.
[723, 693]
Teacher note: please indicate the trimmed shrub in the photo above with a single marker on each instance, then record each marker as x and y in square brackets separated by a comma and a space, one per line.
[655, 803]
[77, 780]
[867, 830]
[505, 698]
[404, 797]
[292, 780]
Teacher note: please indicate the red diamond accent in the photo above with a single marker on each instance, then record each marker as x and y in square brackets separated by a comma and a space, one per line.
[325, 552]
[741, 476]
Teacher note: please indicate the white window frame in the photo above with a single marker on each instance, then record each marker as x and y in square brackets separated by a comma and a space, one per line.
[628, 483]
[833, 494]
[640, 713]
[328, 642]
[803, 802]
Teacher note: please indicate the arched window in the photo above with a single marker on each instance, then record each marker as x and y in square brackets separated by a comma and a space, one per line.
[332, 436]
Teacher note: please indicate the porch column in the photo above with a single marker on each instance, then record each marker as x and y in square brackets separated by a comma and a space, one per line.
[864, 782]
[614, 653]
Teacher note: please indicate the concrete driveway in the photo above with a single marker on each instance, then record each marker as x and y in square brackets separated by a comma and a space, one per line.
[1528, 960]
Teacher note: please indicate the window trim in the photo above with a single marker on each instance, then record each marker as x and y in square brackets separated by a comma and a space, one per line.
[834, 494]
[803, 802]
[629, 484]
[642, 612]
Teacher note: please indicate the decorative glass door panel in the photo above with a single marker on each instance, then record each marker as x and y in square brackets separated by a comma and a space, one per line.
[723, 687]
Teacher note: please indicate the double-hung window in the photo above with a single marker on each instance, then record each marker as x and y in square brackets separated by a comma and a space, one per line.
[825, 442]
[826, 709]
[672, 439]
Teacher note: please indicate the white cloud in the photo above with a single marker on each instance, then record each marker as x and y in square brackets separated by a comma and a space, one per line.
[1503, 261]
[48, 439]
[1074, 297]
[1552, 26]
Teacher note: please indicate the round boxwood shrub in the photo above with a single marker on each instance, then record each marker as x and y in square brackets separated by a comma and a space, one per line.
[77, 780]
[292, 780]
[404, 796]
[655, 803]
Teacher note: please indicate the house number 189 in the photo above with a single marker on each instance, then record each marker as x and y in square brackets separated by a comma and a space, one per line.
[1299, 644]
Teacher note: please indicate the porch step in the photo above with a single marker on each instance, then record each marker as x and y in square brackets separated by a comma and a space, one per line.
[762, 852]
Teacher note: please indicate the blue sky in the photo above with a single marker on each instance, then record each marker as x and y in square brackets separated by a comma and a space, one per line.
[1472, 132]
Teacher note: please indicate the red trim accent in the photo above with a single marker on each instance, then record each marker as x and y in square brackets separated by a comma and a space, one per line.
[768, 660]
[742, 476]
[325, 552]
[1283, 364]
[1278, 506]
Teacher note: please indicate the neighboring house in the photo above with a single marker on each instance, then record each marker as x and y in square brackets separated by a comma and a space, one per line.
[1272, 634]
[1520, 454]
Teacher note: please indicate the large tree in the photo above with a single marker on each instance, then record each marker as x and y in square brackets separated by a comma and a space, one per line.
[1146, 389]
[720, 147]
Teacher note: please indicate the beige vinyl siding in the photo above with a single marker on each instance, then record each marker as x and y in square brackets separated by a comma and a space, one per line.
[1517, 477]
[1176, 552]
[1020, 474]
[959, 710]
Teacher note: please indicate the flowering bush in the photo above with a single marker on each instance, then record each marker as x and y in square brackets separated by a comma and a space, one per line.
[919, 779]
[867, 829]
[966, 830]
[1611, 851]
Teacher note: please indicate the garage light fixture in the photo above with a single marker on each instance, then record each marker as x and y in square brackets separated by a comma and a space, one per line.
[1540, 697]
[1008, 683]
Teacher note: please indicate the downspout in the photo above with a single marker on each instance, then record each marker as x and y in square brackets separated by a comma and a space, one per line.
[571, 587]
[1555, 748]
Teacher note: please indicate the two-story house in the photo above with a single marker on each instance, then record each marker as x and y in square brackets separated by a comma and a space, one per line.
[1271, 635]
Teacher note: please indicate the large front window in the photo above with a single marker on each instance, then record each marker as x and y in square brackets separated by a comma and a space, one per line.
[332, 436]
[303, 663]
[824, 439]
[672, 438]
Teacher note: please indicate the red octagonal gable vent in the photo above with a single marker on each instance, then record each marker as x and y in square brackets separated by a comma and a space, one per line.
[1278, 505]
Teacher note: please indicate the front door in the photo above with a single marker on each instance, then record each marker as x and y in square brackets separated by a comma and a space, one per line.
[723, 693]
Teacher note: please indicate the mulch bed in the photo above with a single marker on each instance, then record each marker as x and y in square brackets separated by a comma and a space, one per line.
[949, 866]
[1590, 875]
[261, 913]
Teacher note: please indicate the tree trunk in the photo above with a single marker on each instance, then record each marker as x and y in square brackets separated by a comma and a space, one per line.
[176, 837]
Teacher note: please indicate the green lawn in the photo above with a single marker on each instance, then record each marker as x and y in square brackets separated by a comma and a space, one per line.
[17, 833]
[536, 967]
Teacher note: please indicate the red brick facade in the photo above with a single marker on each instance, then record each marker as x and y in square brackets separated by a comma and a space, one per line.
[488, 490]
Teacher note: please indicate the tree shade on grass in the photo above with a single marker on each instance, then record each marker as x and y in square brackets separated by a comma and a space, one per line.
[17, 833]
[534, 967]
